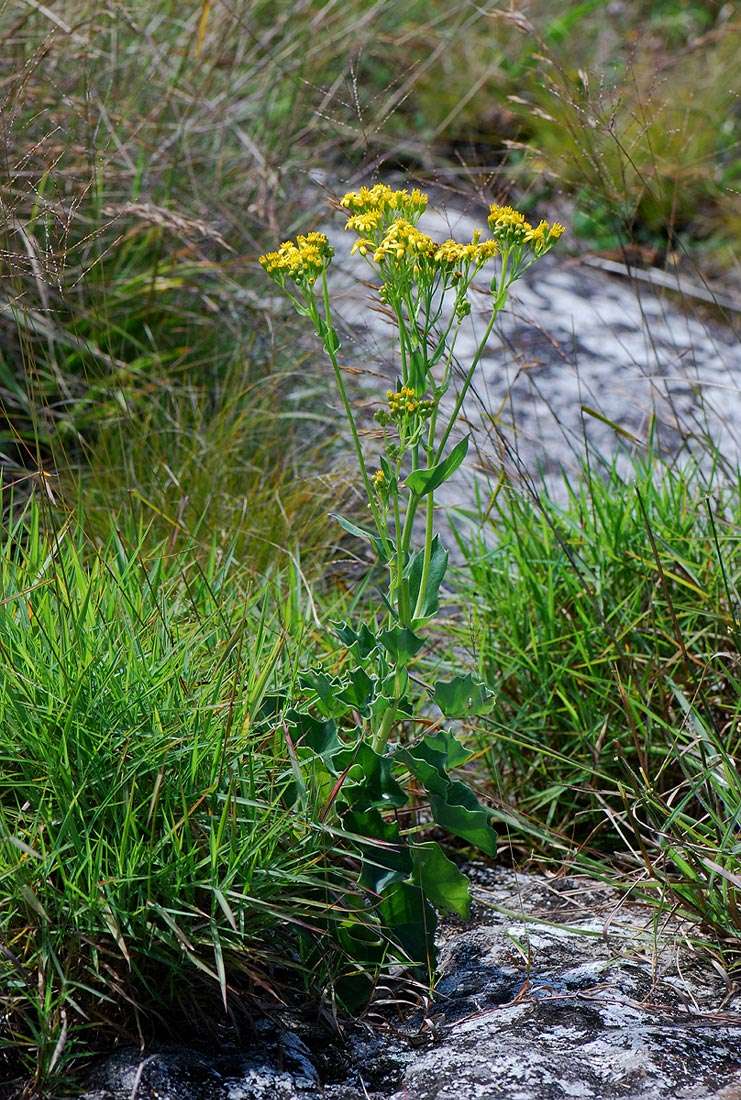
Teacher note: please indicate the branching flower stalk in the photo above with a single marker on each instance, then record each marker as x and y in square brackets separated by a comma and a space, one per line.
[427, 286]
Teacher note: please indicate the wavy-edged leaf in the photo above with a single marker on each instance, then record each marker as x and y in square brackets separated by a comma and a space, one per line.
[362, 641]
[370, 781]
[317, 734]
[386, 858]
[328, 691]
[358, 690]
[401, 644]
[453, 804]
[411, 922]
[449, 747]
[440, 881]
[462, 696]
[458, 810]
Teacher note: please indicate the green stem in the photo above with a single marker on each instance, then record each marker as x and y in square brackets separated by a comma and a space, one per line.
[384, 730]
[497, 305]
[467, 383]
[330, 350]
[403, 341]
[429, 522]
[401, 588]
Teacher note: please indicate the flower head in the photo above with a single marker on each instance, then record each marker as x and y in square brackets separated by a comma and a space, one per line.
[302, 260]
[372, 209]
[453, 254]
[366, 222]
[507, 224]
[510, 227]
[363, 245]
[402, 240]
[544, 236]
[405, 402]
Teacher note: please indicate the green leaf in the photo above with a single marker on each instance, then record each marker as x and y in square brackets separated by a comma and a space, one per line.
[442, 884]
[458, 810]
[360, 689]
[362, 533]
[363, 641]
[386, 858]
[418, 368]
[328, 691]
[329, 337]
[428, 759]
[318, 681]
[314, 733]
[388, 474]
[449, 747]
[422, 482]
[401, 644]
[440, 349]
[462, 696]
[438, 565]
[370, 782]
[411, 922]
[453, 804]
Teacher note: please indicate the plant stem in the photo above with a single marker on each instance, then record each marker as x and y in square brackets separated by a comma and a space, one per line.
[429, 522]
[381, 739]
[330, 350]
[467, 382]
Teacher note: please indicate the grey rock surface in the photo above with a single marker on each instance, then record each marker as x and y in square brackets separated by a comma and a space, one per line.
[554, 989]
[587, 1005]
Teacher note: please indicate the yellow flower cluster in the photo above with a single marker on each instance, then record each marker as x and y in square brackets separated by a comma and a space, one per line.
[379, 479]
[385, 221]
[511, 227]
[544, 234]
[477, 252]
[404, 239]
[383, 200]
[405, 402]
[302, 260]
[367, 222]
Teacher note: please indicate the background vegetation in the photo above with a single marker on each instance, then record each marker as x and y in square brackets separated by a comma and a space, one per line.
[169, 425]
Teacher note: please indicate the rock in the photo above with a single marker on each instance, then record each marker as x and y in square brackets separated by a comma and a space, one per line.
[589, 1005]
[281, 1069]
[554, 989]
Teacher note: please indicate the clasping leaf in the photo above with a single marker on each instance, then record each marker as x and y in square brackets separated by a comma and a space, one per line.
[422, 482]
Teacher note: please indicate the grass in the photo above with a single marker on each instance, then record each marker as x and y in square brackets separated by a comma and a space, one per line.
[238, 461]
[609, 627]
[650, 150]
[143, 154]
[151, 864]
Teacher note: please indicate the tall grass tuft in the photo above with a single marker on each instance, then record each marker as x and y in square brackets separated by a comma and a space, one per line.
[150, 868]
[146, 153]
[609, 628]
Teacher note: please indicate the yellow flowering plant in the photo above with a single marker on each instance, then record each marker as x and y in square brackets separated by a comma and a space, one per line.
[354, 737]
